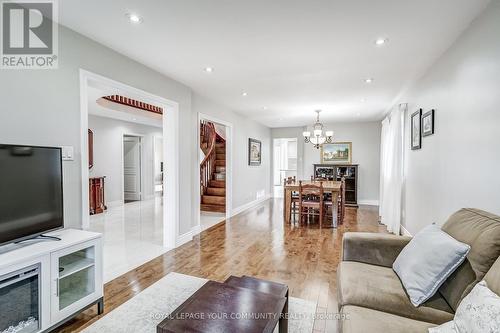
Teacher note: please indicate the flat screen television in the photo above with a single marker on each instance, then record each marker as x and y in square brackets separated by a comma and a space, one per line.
[31, 194]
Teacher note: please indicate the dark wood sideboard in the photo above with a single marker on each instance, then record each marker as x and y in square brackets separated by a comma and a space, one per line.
[336, 172]
[96, 195]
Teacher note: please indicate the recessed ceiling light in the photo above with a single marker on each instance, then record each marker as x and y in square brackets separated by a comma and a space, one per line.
[134, 18]
[209, 69]
[244, 94]
[264, 108]
[363, 100]
[134, 118]
[381, 41]
[369, 80]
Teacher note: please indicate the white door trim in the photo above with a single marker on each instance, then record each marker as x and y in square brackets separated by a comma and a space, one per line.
[229, 164]
[171, 196]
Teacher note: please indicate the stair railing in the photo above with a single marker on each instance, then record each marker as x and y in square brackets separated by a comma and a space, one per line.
[207, 166]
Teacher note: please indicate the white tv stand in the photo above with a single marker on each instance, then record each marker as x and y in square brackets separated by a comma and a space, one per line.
[66, 276]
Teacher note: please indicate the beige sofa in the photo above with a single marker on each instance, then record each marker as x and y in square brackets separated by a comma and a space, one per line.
[372, 297]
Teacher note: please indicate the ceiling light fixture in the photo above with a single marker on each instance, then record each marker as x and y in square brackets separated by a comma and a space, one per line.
[209, 69]
[244, 94]
[264, 108]
[134, 18]
[319, 137]
[369, 80]
[363, 100]
[381, 41]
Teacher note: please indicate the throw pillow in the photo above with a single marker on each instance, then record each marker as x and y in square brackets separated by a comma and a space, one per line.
[427, 261]
[479, 312]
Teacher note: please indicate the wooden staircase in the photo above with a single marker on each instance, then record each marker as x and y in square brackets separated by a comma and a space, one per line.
[212, 169]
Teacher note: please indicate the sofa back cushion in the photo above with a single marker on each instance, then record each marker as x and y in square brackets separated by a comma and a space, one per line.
[481, 230]
[492, 278]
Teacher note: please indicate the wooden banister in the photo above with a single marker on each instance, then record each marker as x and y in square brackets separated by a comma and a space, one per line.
[207, 166]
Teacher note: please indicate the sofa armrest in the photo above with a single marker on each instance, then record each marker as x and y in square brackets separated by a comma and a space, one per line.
[372, 248]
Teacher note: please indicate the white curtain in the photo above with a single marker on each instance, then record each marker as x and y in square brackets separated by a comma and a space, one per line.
[391, 169]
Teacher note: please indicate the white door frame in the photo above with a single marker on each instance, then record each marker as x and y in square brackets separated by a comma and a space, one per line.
[171, 126]
[141, 165]
[229, 164]
[155, 137]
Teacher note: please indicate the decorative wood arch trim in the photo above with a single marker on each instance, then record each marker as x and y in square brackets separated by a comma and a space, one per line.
[134, 103]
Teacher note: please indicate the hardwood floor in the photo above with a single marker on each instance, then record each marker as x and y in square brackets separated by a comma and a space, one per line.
[253, 243]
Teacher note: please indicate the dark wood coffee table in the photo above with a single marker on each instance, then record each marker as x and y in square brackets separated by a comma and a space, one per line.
[264, 286]
[221, 307]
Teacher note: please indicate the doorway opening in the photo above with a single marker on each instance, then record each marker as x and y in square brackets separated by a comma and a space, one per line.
[215, 170]
[284, 162]
[126, 142]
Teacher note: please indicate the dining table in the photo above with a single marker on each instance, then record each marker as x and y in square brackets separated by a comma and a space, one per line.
[329, 186]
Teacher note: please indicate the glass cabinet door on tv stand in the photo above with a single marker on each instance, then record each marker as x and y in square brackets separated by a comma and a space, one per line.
[336, 172]
[76, 274]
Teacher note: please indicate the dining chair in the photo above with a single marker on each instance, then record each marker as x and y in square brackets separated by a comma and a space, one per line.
[311, 197]
[341, 202]
[340, 209]
[295, 197]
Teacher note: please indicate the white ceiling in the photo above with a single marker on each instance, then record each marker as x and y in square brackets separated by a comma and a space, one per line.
[291, 56]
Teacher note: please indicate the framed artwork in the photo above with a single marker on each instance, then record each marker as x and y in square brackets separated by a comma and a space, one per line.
[336, 153]
[254, 152]
[428, 123]
[416, 130]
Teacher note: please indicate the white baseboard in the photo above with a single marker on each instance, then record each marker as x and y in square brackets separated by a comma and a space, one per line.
[405, 232]
[196, 230]
[184, 238]
[368, 202]
[116, 203]
[248, 205]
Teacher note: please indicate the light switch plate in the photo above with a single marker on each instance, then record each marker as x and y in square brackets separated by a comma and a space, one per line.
[68, 153]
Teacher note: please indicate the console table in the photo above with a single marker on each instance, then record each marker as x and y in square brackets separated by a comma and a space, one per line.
[96, 195]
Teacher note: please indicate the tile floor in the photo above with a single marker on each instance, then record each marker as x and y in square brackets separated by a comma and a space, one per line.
[133, 235]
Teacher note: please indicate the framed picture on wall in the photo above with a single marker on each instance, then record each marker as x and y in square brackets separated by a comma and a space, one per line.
[428, 123]
[416, 130]
[336, 153]
[254, 152]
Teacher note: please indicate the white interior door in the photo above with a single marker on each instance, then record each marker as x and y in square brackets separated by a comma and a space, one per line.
[131, 168]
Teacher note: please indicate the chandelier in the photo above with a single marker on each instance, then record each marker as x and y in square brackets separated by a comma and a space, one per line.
[319, 138]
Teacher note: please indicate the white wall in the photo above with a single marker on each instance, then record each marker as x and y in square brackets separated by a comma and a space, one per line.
[108, 150]
[459, 165]
[248, 181]
[365, 138]
[42, 107]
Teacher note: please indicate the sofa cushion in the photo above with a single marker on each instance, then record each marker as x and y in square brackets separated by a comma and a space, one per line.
[379, 288]
[481, 230]
[492, 278]
[361, 319]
